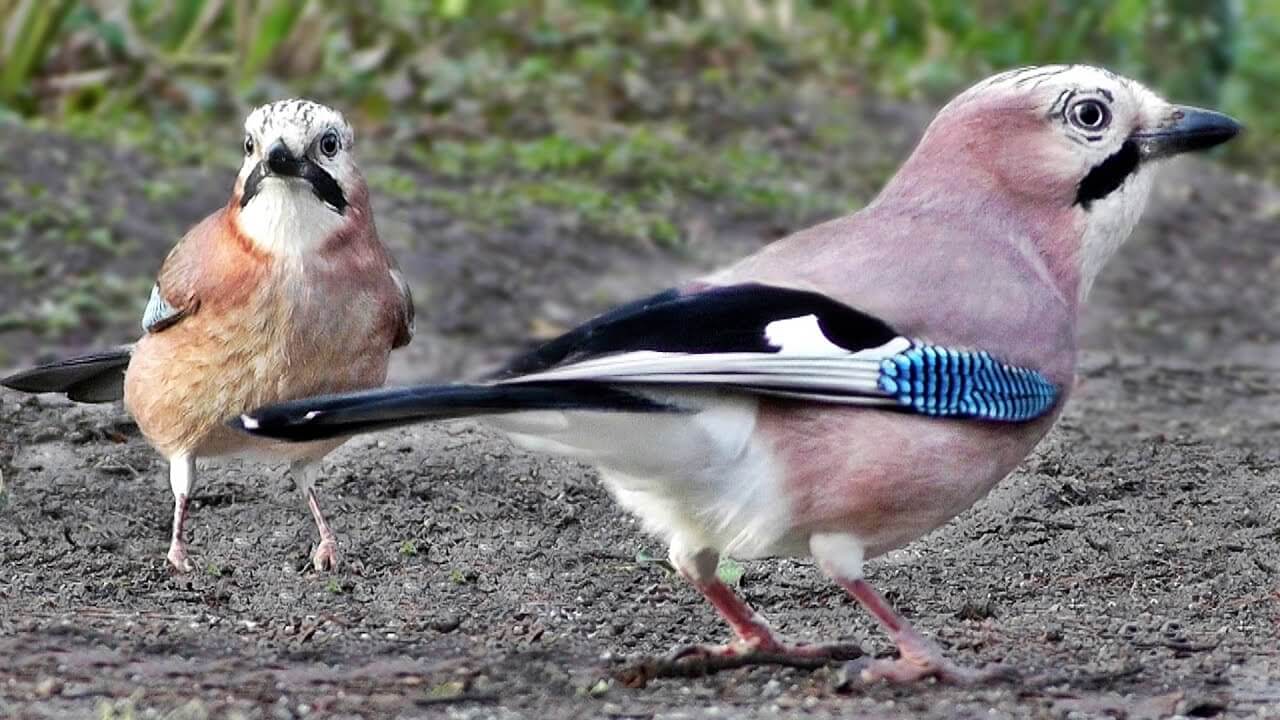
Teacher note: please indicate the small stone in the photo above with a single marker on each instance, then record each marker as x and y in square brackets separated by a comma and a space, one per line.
[47, 687]
[445, 624]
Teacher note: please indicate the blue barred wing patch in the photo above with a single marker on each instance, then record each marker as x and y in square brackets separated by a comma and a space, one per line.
[942, 382]
[159, 314]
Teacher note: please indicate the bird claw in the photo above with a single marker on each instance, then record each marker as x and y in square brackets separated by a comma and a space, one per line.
[701, 660]
[766, 651]
[690, 653]
[177, 557]
[905, 670]
[325, 558]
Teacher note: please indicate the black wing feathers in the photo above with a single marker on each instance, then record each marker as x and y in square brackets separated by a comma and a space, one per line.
[732, 318]
[335, 416]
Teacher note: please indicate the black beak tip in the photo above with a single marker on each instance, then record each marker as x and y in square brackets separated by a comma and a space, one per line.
[1191, 129]
[1209, 127]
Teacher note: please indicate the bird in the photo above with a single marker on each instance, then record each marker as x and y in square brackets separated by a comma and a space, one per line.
[850, 387]
[284, 292]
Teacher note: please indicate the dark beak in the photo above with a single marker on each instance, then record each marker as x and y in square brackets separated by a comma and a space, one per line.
[282, 162]
[1188, 129]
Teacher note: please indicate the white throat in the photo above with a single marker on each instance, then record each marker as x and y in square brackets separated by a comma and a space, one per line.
[1109, 222]
[286, 219]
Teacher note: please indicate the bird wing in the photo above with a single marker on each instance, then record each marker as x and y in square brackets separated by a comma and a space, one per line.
[798, 344]
[174, 296]
[730, 318]
[160, 314]
[408, 315]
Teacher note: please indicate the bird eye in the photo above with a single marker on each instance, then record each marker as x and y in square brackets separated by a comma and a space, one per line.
[248, 144]
[1089, 115]
[329, 143]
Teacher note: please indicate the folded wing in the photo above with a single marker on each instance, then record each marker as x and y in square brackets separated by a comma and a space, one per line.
[751, 339]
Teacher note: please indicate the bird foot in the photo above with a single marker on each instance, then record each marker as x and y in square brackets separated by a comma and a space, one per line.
[177, 556]
[918, 657]
[325, 558]
[765, 651]
[701, 660]
[905, 670]
[768, 650]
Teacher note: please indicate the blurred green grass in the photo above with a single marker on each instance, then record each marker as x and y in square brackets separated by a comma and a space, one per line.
[565, 80]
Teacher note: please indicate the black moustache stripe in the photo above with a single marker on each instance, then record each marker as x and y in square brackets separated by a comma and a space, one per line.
[1107, 176]
[322, 184]
[253, 183]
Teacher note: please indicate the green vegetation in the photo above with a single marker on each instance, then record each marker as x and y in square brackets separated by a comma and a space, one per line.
[618, 114]
[730, 572]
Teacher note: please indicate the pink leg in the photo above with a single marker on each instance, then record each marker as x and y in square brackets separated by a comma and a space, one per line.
[918, 658]
[177, 548]
[304, 472]
[751, 630]
[754, 636]
[325, 557]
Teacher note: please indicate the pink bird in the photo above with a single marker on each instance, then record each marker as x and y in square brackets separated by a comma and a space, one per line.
[283, 293]
[831, 396]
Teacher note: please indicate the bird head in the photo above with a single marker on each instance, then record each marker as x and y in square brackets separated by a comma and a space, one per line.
[299, 182]
[1068, 146]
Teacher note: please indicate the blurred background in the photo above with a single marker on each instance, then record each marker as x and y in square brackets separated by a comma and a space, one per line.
[514, 145]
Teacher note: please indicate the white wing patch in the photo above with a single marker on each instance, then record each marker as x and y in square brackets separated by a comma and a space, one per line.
[801, 336]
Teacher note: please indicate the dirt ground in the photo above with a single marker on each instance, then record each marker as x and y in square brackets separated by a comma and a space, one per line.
[1131, 567]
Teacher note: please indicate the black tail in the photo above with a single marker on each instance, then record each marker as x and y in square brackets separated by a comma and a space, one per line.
[332, 416]
[93, 378]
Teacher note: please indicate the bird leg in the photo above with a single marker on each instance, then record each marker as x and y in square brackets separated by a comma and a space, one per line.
[755, 641]
[326, 554]
[325, 557]
[918, 658]
[182, 475]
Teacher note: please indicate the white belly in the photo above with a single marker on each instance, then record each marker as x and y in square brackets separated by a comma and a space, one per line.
[699, 475]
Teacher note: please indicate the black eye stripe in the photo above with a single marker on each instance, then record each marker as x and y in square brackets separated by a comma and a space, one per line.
[1061, 104]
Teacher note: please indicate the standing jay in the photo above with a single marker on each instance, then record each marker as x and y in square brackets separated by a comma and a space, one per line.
[284, 292]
